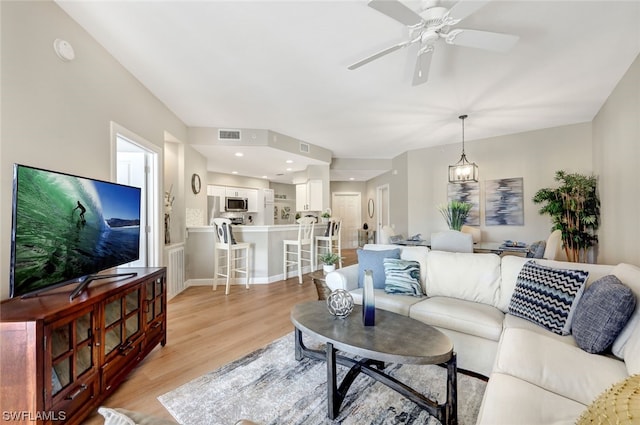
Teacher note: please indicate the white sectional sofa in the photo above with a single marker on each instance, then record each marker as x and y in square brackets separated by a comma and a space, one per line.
[535, 376]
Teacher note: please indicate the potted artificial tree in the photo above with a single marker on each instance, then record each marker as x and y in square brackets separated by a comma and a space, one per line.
[574, 208]
[455, 213]
[329, 261]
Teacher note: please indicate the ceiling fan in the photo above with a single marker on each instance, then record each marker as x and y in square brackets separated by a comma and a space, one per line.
[433, 23]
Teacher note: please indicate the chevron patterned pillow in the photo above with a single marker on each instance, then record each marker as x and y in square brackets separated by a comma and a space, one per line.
[547, 296]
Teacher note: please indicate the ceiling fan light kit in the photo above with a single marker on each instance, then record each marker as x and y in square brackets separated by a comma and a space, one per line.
[433, 23]
[463, 171]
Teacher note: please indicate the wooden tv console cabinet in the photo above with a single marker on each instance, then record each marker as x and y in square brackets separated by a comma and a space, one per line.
[60, 359]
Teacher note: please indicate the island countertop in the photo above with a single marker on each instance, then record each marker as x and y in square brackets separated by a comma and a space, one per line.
[266, 259]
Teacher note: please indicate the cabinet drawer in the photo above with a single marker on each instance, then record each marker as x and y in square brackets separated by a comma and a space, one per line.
[154, 334]
[114, 371]
[77, 397]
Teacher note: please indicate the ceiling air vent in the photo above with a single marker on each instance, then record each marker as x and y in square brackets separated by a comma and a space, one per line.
[228, 134]
[304, 147]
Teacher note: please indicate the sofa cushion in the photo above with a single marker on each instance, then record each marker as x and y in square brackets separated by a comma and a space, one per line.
[374, 260]
[601, 314]
[463, 316]
[548, 296]
[402, 277]
[471, 277]
[509, 401]
[128, 417]
[394, 303]
[632, 352]
[511, 321]
[547, 362]
[630, 276]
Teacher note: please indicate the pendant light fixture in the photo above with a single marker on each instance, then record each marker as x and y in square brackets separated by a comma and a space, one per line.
[463, 171]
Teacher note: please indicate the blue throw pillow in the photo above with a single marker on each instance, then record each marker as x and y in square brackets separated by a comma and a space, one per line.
[605, 308]
[374, 260]
[402, 277]
[548, 296]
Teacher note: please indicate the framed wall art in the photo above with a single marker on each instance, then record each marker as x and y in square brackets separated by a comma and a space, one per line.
[466, 192]
[504, 204]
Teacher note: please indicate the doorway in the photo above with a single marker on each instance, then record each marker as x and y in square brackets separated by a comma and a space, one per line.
[382, 199]
[136, 164]
[347, 206]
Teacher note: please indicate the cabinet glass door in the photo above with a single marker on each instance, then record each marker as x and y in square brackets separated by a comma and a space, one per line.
[155, 292]
[122, 320]
[71, 346]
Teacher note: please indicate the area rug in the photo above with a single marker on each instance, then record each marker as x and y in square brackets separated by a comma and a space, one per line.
[269, 386]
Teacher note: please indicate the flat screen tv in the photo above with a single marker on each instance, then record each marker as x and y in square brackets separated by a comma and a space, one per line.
[67, 228]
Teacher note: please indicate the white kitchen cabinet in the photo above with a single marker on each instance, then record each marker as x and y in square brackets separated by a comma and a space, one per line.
[235, 192]
[213, 190]
[252, 200]
[269, 196]
[309, 196]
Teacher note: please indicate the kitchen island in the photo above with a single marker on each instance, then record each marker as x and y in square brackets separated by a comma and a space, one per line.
[266, 251]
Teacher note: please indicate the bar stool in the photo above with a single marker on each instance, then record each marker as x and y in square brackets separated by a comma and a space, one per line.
[232, 253]
[296, 247]
[330, 241]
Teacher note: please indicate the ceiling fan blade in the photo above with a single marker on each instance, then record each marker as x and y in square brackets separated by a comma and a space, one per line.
[423, 63]
[379, 55]
[494, 41]
[398, 11]
[464, 8]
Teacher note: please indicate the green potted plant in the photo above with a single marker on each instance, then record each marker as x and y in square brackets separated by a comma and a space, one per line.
[455, 213]
[325, 216]
[574, 208]
[329, 261]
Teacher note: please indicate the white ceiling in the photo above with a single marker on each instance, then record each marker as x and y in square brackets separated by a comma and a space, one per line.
[282, 66]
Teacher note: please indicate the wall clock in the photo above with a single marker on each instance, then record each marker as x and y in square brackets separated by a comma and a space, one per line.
[196, 184]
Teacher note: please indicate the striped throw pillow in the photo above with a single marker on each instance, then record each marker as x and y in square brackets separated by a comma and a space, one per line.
[548, 296]
[402, 277]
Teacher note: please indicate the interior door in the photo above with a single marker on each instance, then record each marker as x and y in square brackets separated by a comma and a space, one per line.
[382, 200]
[347, 207]
[133, 169]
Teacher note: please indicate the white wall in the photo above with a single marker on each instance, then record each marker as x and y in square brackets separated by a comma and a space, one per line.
[616, 141]
[535, 156]
[56, 114]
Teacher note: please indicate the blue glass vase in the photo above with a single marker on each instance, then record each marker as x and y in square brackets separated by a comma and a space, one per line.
[368, 301]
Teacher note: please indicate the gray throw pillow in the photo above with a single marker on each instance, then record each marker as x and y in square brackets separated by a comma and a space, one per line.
[605, 308]
[369, 259]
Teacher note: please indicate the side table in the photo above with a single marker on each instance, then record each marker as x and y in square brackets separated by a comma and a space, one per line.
[319, 279]
[365, 237]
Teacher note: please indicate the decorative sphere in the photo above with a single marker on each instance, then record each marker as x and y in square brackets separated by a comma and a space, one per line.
[340, 303]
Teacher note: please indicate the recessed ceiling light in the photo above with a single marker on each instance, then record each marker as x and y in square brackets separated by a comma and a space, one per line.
[351, 178]
[289, 169]
[264, 177]
[234, 172]
[239, 154]
[289, 161]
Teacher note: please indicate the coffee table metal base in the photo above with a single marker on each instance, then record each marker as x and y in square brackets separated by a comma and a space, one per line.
[446, 412]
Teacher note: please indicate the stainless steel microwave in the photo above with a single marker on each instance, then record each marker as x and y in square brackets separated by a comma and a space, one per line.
[235, 204]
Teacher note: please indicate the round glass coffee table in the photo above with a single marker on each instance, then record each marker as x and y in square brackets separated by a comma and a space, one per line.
[394, 339]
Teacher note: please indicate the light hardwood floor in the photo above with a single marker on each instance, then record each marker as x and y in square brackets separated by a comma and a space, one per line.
[205, 330]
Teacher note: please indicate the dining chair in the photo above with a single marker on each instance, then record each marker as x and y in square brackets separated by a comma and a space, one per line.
[553, 249]
[386, 233]
[233, 255]
[475, 232]
[298, 247]
[452, 241]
